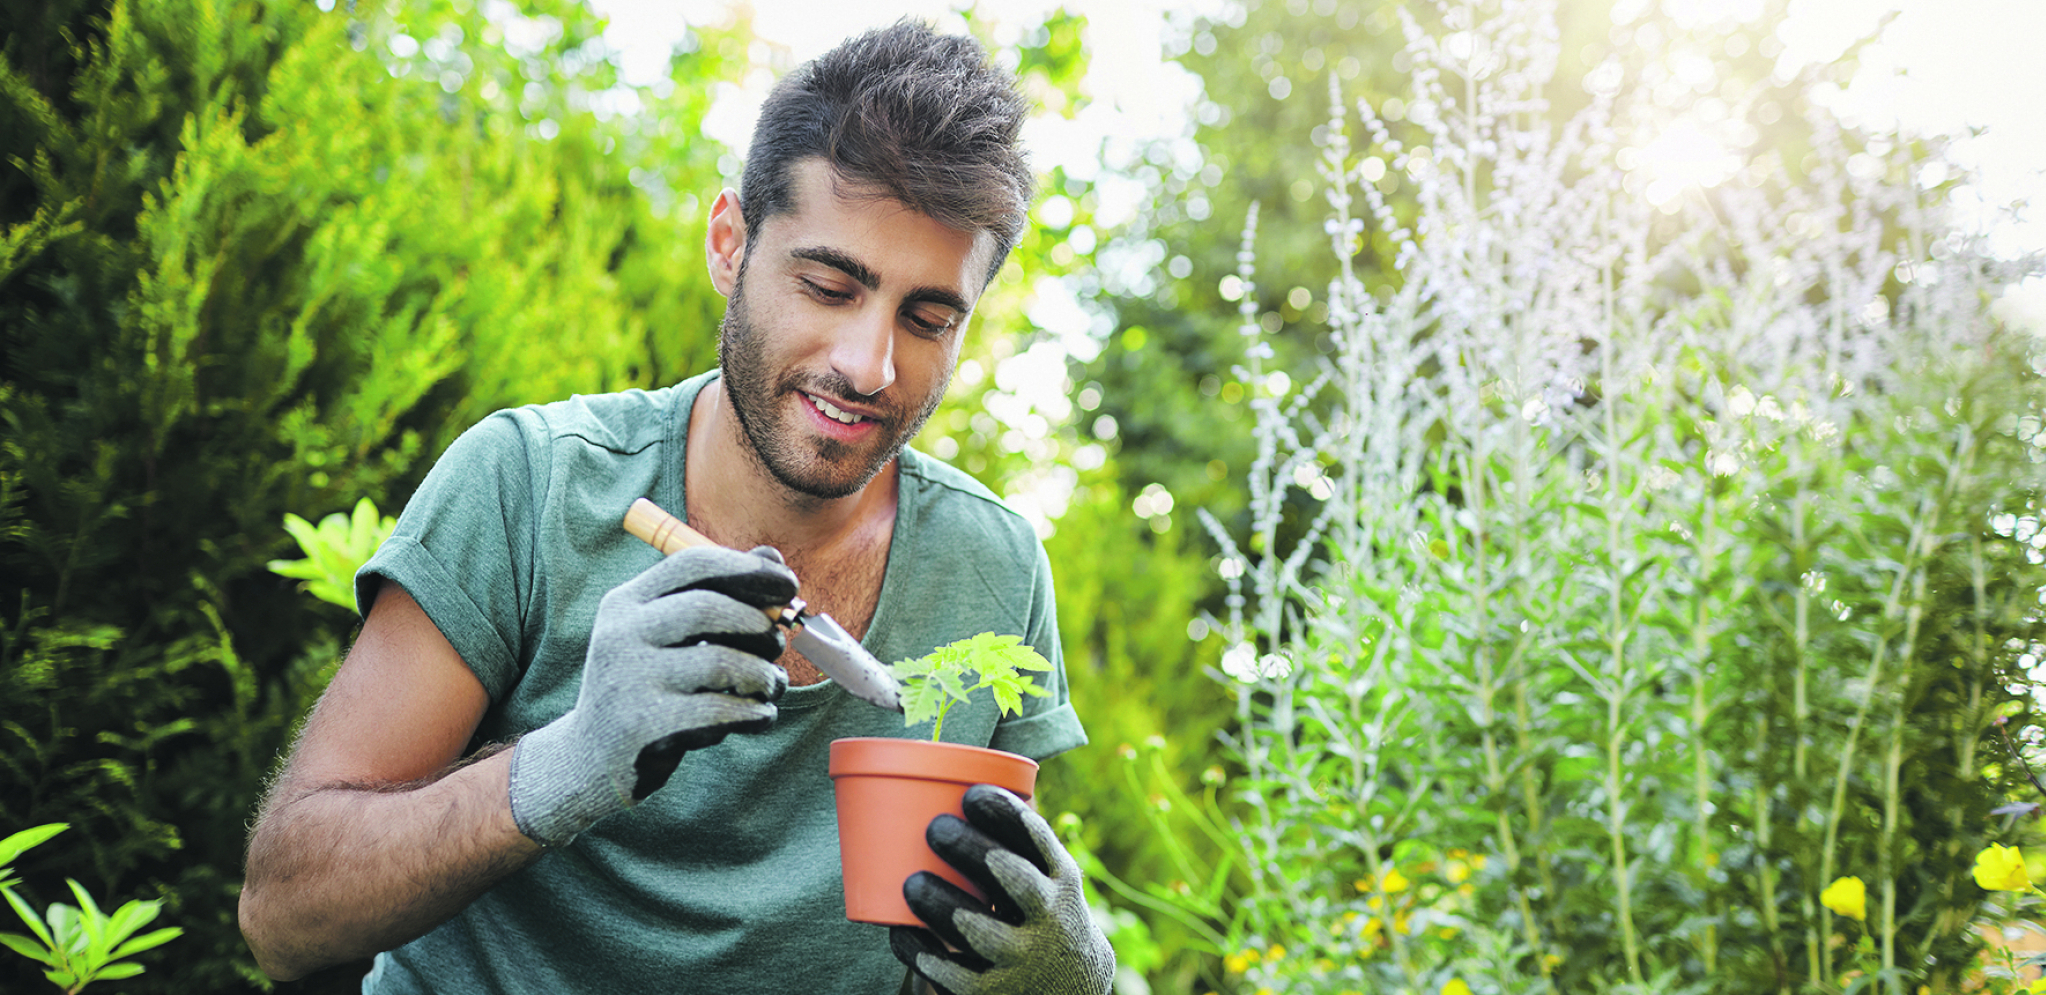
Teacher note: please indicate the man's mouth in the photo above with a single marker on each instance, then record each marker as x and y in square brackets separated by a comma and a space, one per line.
[833, 411]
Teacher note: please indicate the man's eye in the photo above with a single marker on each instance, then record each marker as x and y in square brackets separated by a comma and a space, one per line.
[825, 293]
[929, 325]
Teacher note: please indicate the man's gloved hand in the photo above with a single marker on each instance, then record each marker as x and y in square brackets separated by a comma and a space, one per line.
[1037, 940]
[680, 655]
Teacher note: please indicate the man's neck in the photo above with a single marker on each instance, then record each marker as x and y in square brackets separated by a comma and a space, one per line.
[734, 499]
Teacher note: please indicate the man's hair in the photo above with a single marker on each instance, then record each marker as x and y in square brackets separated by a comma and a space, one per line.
[901, 112]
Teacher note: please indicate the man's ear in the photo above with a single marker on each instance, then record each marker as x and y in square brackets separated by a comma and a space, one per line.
[724, 244]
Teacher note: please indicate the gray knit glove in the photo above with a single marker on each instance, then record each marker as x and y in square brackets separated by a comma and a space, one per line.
[679, 656]
[1038, 939]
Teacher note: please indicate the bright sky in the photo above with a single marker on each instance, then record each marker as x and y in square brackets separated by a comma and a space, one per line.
[1940, 66]
[1943, 67]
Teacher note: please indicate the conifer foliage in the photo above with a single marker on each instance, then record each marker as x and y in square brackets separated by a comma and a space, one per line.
[259, 258]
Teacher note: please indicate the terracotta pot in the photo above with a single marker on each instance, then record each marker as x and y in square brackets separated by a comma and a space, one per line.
[888, 791]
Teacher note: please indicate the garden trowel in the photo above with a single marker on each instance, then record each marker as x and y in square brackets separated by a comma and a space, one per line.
[819, 638]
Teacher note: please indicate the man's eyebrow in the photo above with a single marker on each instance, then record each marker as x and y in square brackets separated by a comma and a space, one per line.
[867, 278]
[841, 262]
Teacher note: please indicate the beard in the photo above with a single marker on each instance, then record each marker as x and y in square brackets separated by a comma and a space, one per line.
[823, 468]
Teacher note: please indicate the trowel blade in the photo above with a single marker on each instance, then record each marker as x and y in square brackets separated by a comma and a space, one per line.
[840, 657]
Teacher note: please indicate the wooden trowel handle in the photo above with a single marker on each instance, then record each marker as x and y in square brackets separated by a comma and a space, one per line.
[661, 530]
[669, 534]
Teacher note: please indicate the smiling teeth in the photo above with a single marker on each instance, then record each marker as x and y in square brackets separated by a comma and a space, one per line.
[834, 412]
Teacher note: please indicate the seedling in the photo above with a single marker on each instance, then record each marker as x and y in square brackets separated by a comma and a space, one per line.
[931, 685]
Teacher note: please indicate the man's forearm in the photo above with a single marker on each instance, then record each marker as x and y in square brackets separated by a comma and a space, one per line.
[344, 871]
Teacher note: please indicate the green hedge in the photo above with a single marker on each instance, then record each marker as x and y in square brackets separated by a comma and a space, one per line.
[259, 259]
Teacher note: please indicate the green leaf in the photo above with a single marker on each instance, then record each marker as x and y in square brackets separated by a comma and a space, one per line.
[62, 979]
[334, 549]
[129, 918]
[27, 948]
[115, 972]
[1007, 699]
[92, 923]
[921, 702]
[13, 846]
[64, 930]
[28, 915]
[147, 941]
[88, 909]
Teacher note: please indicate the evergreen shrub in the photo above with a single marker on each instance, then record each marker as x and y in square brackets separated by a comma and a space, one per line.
[256, 258]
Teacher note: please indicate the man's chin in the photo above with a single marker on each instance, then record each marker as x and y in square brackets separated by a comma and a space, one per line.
[826, 476]
[824, 487]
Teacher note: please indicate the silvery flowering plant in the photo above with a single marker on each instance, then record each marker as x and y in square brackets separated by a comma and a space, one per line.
[1624, 515]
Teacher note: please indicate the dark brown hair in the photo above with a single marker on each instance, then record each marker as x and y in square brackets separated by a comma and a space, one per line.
[901, 112]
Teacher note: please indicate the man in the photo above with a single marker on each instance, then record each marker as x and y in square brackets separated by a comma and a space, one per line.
[883, 190]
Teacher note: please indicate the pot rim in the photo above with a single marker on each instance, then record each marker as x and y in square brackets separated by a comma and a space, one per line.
[881, 756]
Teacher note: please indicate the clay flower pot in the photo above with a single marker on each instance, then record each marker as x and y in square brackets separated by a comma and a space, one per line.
[888, 791]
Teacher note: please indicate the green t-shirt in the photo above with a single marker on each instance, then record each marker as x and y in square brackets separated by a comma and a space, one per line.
[727, 879]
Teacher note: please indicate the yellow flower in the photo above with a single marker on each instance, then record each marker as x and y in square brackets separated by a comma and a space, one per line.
[1395, 881]
[1277, 952]
[1240, 961]
[1550, 962]
[1456, 987]
[1848, 897]
[2002, 868]
[1458, 872]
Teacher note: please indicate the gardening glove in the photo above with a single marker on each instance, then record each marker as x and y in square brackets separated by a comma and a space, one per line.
[1038, 939]
[679, 656]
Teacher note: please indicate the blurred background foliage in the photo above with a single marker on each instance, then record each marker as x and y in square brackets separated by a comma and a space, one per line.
[259, 258]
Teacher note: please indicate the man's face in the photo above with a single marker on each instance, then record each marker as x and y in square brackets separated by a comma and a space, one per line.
[841, 331]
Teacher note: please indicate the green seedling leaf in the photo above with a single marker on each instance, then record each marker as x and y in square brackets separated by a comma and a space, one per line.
[115, 972]
[931, 685]
[62, 979]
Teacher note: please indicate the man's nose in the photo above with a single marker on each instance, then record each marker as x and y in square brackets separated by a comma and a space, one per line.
[864, 352]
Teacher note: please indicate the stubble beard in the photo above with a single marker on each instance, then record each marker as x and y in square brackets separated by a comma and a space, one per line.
[828, 468]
